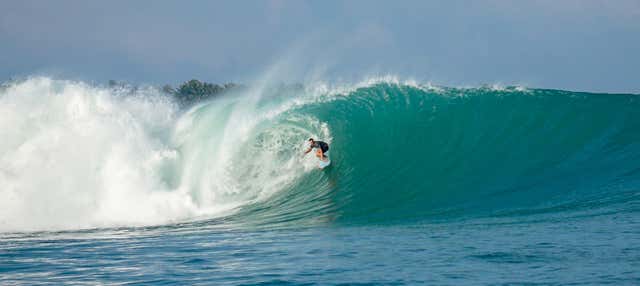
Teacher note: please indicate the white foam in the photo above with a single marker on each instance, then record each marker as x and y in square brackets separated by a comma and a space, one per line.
[74, 156]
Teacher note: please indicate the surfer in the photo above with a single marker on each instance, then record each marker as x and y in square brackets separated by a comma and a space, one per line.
[321, 148]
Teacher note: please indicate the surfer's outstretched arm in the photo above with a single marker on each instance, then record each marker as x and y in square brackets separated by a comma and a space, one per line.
[311, 145]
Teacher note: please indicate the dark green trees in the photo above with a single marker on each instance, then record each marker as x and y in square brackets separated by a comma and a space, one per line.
[195, 90]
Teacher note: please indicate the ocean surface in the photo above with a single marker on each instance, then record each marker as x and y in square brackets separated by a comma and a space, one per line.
[429, 185]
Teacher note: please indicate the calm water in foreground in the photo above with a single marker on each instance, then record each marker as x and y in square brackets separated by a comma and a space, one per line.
[586, 249]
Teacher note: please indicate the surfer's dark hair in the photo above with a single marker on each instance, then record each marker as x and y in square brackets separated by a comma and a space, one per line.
[310, 139]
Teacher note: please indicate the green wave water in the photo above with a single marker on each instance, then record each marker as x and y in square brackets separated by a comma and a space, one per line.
[406, 153]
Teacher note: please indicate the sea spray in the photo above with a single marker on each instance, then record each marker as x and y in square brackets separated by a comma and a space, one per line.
[78, 156]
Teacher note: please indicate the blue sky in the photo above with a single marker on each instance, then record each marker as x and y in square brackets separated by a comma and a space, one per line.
[570, 44]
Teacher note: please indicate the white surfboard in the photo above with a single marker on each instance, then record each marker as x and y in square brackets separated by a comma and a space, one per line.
[324, 163]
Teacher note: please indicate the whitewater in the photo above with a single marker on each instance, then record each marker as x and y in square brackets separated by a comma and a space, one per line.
[77, 156]
[544, 184]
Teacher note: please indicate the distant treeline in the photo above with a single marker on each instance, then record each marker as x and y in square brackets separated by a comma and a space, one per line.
[191, 91]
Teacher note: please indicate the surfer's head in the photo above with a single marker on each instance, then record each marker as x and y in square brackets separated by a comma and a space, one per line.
[311, 140]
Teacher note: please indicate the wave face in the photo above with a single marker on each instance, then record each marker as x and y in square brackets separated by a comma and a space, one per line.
[77, 156]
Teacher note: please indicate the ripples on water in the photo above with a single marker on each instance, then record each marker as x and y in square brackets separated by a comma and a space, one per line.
[596, 250]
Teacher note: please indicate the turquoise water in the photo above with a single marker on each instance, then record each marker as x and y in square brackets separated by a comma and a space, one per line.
[428, 185]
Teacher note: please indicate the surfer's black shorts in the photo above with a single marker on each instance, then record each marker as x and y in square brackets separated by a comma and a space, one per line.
[322, 145]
